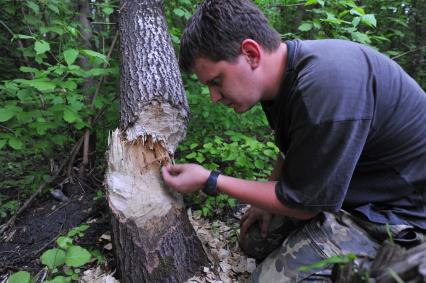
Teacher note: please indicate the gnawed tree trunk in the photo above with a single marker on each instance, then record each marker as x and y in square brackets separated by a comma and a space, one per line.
[154, 241]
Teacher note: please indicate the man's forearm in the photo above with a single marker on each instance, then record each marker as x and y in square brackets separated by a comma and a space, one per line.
[259, 194]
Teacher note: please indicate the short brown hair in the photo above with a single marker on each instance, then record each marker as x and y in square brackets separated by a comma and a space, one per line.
[218, 27]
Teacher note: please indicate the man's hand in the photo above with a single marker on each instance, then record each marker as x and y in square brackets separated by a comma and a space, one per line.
[252, 215]
[185, 178]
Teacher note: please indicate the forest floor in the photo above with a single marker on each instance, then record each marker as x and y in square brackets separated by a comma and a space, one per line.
[38, 227]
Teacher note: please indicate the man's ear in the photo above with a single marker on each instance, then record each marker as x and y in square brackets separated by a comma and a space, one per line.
[251, 51]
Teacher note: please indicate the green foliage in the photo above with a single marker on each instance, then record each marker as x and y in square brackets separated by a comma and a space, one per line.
[78, 231]
[20, 277]
[53, 258]
[66, 256]
[45, 107]
[69, 254]
[389, 233]
[338, 259]
[8, 207]
[77, 256]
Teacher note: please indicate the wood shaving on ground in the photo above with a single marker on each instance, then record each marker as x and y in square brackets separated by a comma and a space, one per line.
[97, 276]
[219, 240]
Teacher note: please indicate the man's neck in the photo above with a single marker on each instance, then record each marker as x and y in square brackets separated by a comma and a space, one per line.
[274, 72]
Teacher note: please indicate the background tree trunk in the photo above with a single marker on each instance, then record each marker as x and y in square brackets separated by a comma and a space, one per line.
[154, 241]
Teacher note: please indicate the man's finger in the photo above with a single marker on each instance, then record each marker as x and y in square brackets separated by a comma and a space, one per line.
[246, 225]
[168, 178]
[175, 169]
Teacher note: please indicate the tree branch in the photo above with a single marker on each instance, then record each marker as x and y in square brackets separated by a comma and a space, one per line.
[408, 52]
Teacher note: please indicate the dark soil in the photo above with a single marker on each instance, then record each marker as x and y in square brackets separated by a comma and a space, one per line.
[37, 229]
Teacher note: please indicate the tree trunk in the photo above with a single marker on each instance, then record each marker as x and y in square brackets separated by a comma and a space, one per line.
[86, 35]
[154, 240]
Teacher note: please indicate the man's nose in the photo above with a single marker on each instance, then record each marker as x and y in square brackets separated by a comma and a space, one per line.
[214, 95]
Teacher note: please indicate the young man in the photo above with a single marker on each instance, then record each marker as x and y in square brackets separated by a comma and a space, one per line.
[350, 122]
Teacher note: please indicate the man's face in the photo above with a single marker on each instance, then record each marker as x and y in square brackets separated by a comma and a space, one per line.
[231, 83]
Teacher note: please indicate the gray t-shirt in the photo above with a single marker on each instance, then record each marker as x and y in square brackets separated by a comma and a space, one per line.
[352, 126]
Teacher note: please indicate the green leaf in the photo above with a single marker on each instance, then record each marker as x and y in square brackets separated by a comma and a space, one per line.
[39, 84]
[28, 70]
[94, 54]
[42, 85]
[259, 164]
[41, 46]
[200, 158]
[311, 2]
[232, 202]
[97, 72]
[360, 37]
[20, 277]
[358, 11]
[356, 21]
[338, 259]
[369, 20]
[33, 6]
[77, 256]
[23, 36]
[192, 155]
[53, 258]
[70, 55]
[179, 12]
[53, 8]
[305, 27]
[108, 10]
[68, 271]
[70, 116]
[2, 143]
[64, 242]
[71, 85]
[58, 279]
[16, 143]
[6, 114]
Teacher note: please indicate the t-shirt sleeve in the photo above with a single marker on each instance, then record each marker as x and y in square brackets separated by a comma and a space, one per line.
[319, 164]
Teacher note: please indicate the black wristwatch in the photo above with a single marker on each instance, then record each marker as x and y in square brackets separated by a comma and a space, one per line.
[210, 188]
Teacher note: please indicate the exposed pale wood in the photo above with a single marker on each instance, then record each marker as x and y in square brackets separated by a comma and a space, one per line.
[153, 238]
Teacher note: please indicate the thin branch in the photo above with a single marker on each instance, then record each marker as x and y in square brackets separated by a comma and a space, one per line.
[8, 129]
[102, 23]
[92, 105]
[407, 52]
[98, 87]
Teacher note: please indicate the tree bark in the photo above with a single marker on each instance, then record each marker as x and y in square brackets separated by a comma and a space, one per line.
[154, 240]
[86, 35]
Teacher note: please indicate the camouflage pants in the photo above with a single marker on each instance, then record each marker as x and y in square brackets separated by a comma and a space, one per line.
[291, 244]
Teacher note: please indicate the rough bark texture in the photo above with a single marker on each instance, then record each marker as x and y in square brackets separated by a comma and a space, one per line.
[154, 240]
[148, 61]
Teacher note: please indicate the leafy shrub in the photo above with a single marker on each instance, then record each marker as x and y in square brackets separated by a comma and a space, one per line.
[67, 256]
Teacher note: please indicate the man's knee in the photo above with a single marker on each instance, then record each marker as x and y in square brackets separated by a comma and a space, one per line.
[258, 247]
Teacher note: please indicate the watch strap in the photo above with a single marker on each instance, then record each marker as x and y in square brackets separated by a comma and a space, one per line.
[211, 185]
